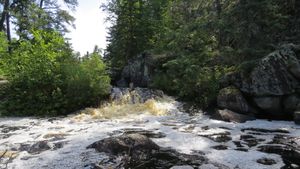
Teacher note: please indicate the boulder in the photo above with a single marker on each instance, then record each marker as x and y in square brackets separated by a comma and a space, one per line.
[277, 74]
[231, 98]
[291, 103]
[138, 151]
[269, 104]
[125, 144]
[230, 116]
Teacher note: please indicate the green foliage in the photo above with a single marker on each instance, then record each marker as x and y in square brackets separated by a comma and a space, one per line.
[46, 79]
[3, 51]
[201, 39]
[136, 24]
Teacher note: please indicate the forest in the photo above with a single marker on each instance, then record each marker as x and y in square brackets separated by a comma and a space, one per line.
[181, 84]
[194, 44]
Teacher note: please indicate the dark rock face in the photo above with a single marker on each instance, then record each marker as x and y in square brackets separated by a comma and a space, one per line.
[271, 85]
[138, 151]
[138, 72]
[230, 116]
[231, 98]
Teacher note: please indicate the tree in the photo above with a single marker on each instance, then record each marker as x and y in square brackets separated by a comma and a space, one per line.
[135, 24]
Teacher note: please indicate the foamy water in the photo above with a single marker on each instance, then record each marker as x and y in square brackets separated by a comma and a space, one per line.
[78, 131]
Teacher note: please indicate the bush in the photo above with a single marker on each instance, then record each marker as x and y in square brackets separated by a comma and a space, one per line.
[46, 79]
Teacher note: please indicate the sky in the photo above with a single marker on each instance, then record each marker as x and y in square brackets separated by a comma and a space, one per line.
[90, 26]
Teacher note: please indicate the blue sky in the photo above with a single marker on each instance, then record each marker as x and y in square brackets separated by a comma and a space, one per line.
[90, 26]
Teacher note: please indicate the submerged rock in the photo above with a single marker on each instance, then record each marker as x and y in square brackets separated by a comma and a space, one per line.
[266, 161]
[35, 148]
[138, 151]
[147, 133]
[230, 116]
[218, 137]
[287, 147]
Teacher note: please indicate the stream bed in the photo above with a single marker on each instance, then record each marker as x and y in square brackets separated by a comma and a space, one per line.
[60, 143]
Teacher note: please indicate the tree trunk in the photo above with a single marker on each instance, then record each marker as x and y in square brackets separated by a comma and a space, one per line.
[3, 16]
[220, 30]
[8, 34]
[41, 3]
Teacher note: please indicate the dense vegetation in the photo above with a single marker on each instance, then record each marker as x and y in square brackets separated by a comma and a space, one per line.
[193, 42]
[199, 40]
[45, 77]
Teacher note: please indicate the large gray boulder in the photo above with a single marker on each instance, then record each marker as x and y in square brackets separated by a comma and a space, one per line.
[271, 84]
[231, 98]
[276, 74]
[269, 104]
[291, 103]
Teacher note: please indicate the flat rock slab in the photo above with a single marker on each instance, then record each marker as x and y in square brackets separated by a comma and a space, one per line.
[139, 152]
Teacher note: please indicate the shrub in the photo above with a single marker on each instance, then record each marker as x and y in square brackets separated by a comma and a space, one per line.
[46, 79]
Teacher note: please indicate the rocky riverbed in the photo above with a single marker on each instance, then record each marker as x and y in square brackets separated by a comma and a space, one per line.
[194, 141]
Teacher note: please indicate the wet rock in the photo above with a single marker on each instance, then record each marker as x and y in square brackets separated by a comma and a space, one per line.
[231, 98]
[55, 136]
[124, 144]
[9, 129]
[59, 145]
[138, 151]
[238, 144]
[266, 130]
[266, 161]
[148, 133]
[35, 148]
[286, 146]
[220, 147]
[218, 137]
[242, 149]
[289, 154]
[230, 116]
[250, 140]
